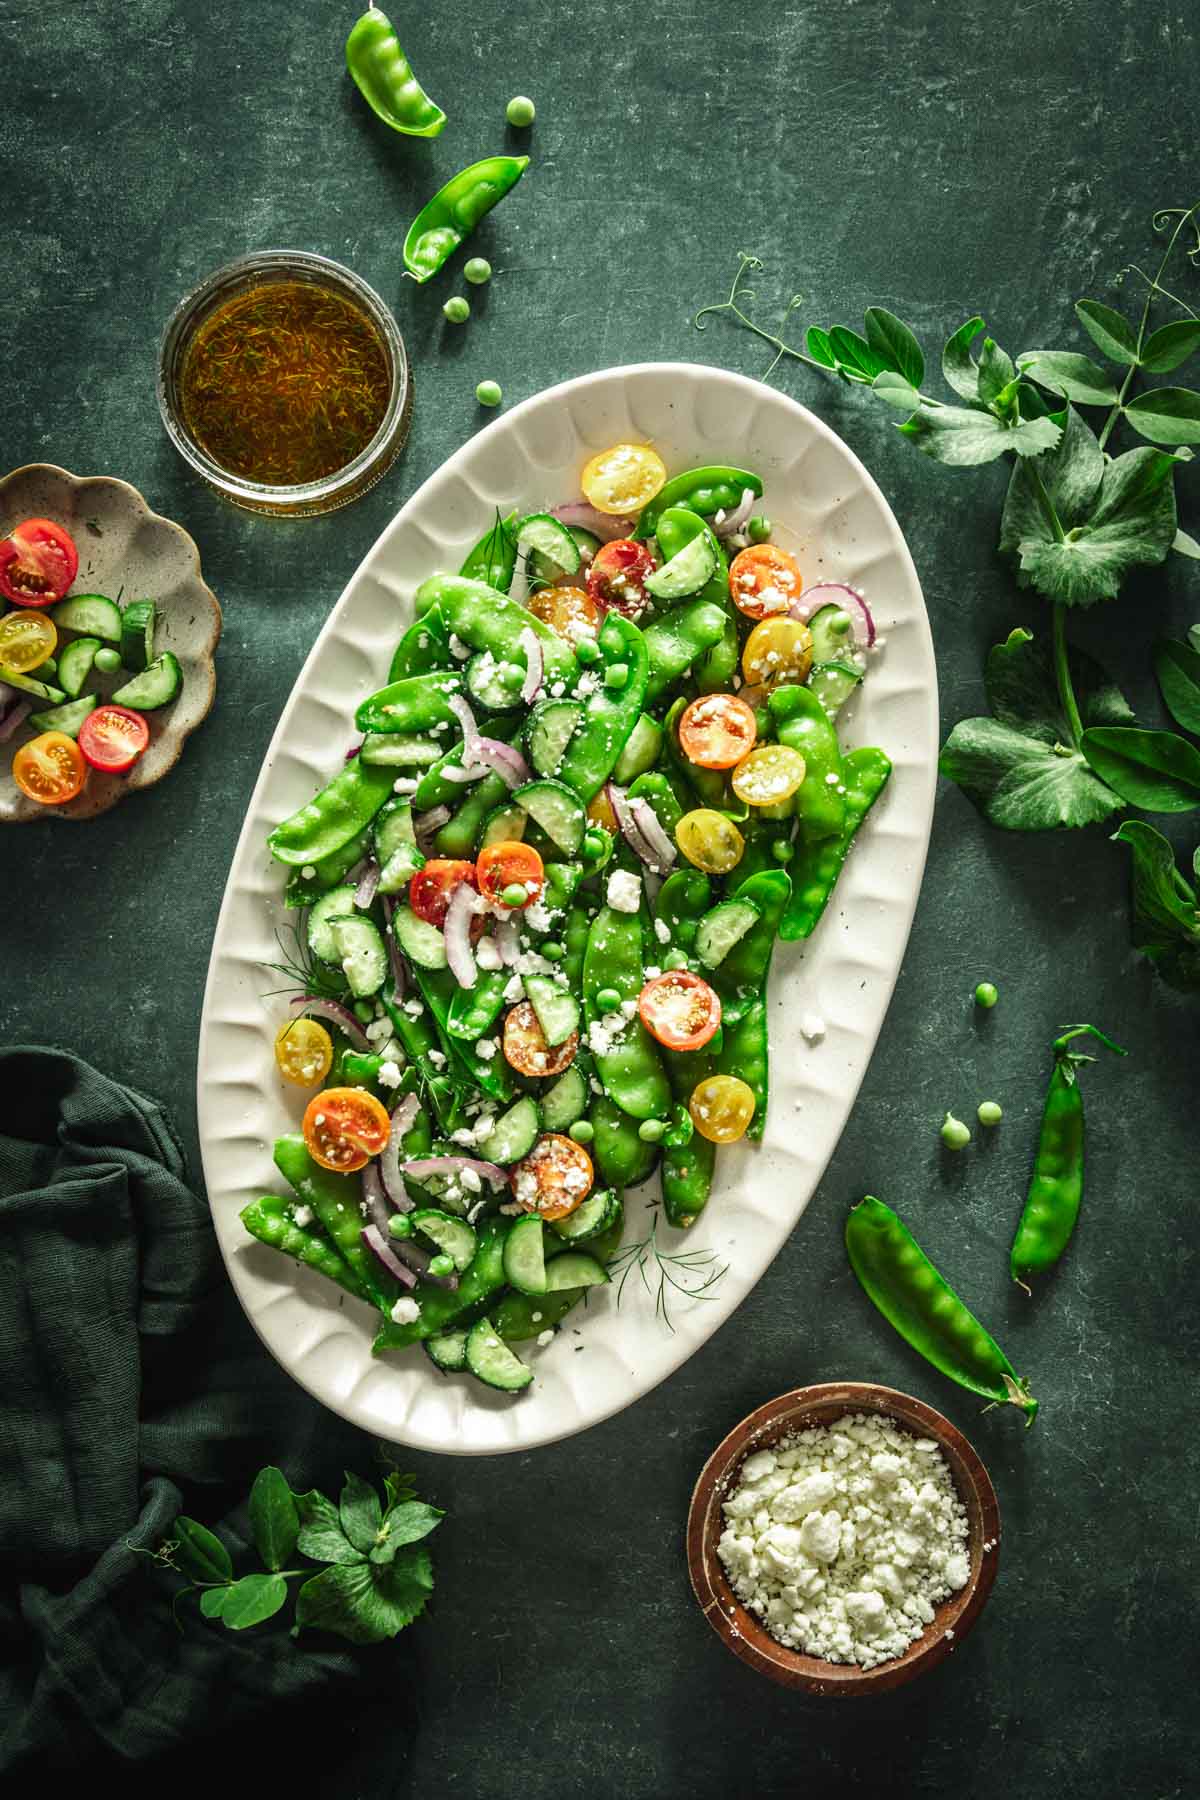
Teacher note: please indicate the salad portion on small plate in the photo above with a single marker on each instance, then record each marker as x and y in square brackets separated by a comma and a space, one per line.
[528, 921]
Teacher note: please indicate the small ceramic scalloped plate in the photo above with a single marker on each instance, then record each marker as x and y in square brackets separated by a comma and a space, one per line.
[125, 551]
[830, 512]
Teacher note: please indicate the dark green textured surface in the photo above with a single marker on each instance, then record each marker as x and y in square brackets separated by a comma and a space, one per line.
[935, 159]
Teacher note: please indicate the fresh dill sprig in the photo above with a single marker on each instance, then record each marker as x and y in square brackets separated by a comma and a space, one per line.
[694, 1274]
[303, 972]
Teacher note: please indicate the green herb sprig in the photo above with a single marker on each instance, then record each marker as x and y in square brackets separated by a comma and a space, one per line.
[694, 1274]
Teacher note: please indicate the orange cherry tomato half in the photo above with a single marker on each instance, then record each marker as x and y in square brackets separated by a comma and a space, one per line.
[38, 563]
[49, 769]
[764, 579]
[525, 1046]
[113, 737]
[717, 730]
[344, 1128]
[554, 1178]
[509, 861]
[616, 578]
[570, 611]
[431, 888]
[680, 1009]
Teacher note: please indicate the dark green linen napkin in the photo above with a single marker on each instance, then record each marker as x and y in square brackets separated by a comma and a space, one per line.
[131, 1388]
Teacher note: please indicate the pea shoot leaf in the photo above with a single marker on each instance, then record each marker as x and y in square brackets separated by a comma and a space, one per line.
[1076, 378]
[273, 1518]
[1022, 690]
[404, 1524]
[960, 371]
[366, 1604]
[321, 1535]
[1110, 330]
[1153, 769]
[891, 338]
[212, 1600]
[895, 390]
[1177, 667]
[816, 342]
[360, 1512]
[962, 437]
[1183, 545]
[1166, 918]
[1166, 415]
[252, 1599]
[200, 1553]
[996, 371]
[855, 353]
[1170, 345]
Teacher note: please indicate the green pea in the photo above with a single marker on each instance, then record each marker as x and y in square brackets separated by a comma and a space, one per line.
[607, 1000]
[758, 529]
[364, 1010]
[520, 111]
[456, 310]
[587, 650]
[515, 894]
[986, 995]
[955, 1135]
[596, 844]
[582, 1131]
[553, 952]
[840, 623]
[478, 270]
[990, 1112]
[441, 1265]
[783, 850]
[107, 660]
[651, 1130]
[616, 675]
[678, 959]
[400, 1225]
[489, 393]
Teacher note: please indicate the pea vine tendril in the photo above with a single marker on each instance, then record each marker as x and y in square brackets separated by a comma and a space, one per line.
[731, 305]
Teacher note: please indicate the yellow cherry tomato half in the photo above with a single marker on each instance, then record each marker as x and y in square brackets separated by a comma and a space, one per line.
[26, 639]
[303, 1051]
[50, 769]
[570, 611]
[710, 841]
[722, 1107]
[600, 812]
[777, 650]
[768, 775]
[623, 479]
[344, 1128]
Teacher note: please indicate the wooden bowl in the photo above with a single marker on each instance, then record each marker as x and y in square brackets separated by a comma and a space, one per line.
[744, 1633]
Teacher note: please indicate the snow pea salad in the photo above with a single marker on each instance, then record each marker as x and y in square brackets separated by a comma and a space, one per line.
[541, 898]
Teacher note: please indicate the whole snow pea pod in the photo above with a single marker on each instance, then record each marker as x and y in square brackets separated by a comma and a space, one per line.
[687, 1167]
[336, 1200]
[1056, 1188]
[333, 817]
[416, 704]
[456, 838]
[424, 647]
[709, 785]
[488, 620]
[714, 671]
[683, 899]
[436, 788]
[327, 871]
[383, 76]
[270, 1221]
[744, 970]
[714, 488]
[657, 791]
[455, 210]
[494, 558]
[675, 639]
[610, 713]
[716, 666]
[438, 988]
[483, 1277]
[920, 1304]
[817, 866]
[418, 1037]
[630, 1066]
[802, 724]
[744, 1053]
[473, 1011]
[575, 939]
[621, 1157]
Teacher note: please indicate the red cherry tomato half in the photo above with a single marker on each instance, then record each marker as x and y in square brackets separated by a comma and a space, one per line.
[616, 577]
[38, 563]
[680, 1009]
[510, 861]
[431, 888]
[113, 737]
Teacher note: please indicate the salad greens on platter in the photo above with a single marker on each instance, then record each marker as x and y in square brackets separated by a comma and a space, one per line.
[539, 904]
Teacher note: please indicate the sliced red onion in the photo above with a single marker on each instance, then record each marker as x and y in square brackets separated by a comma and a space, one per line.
[13, 719]
[418, 1260]
[368, 885]
[733, 522]
[505, 759]
[535, 664]
[508, 940]
[336, 1014]
[618, 799]
[601, 525]
[425, 1166]
[352, 752]
[647, 822]
[375, 1241]
[375, 1196]
[395, 955]
[836, 593]
[389, 1161]
[470, 730]
[426, 823]
[464, 772]
[464, 904]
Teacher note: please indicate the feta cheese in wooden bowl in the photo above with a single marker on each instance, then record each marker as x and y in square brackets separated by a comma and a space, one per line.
[843, 1538]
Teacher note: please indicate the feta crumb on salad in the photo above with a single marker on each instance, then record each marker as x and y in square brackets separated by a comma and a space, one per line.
[624, 891]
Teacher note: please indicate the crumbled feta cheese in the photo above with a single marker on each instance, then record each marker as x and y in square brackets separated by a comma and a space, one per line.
[405, 1311]
[624, 891]
[812, 1027]
[308, 872]
[405, 784]
[389, 1074]
[558, 689]
[470, 1180]
[544, 1338]
[538, 916]
[437, 1058]
[413, 1008]
[486, 1048]
[487, 955]
[458, 650]
[652, 973]
[302, 1216]
[662, 931]
[514, 989]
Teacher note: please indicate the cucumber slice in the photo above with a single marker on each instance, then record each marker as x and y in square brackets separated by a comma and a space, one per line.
[338, 903]
[447, 1351]
[546, 536]
[566, 1101]
[91, 613]
[513, 1135]
[832, 683]
[574, 1270]
[37, 690]
[421, 942]
[552, 725]
[556, 1007]
[722, 928]
[155, 686]
[504, 824]
[399, 869]
[541, 568]
[453, 1237]
[138, 622]
[598, 1214]
[396, 751]
[75, 665]
[395, 846]
[525, 1256]
[688, 571]
[66, 718]
[829, 645]
[495, 685]
[642, 750]
[361, 952]
[491, 1361]
[559, 812]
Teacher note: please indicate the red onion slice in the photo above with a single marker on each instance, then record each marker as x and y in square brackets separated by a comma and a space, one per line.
[659, 844]
[508, 940]
[535, 664]
[375, 1196]
[505, 760]
[618, 799]
[464, 904]
[463, 772]
[395, 956]
[733, 522]
[601, 525]
[375, 1241]
[336, 1014]
[426, 823]
[368, 885]
[470, 730]
[424, 1166]
[12, 720]
[418, 1260]
[836, 593]
[389, 1161]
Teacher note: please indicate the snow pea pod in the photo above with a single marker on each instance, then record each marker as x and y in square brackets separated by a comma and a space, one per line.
[657, 791]
[1056, 1188]
[437, 788]
[418, 1037]
[575, 939]
[744, 969]
[455, 210]
[622, 1159]
[336, 1201]
[716, 666]
[488, 620]
[920, 1304]
[494, 558]
[327, 871]
[270, 1221]
[610, 713]
[687, 1167]
[440, 1306]
[458, 835]
[744, 1053]
[424, 647]
[683, 899]
[438, 988]
[803, 724]
[817, 866]
[473, 1011]
[383, 76]
[709, 785]
[759, 853]
[713, 488]
[713, 672]
[328, 822]
[417, 704]
[675, 639]
[629, 1064]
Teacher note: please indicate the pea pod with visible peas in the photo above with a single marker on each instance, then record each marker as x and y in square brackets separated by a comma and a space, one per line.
[327, 872]
[270, 1221]
[1056, 1188]
[744, 1053]
[803, 724]
[676, 639]
[920, 1304]
[446, 220]
[488, 620]
[415, 704]
[817, 866]
[383, 76]
[744, 969]
[687, 1159]
[333, 817]
[714, 488]
[424, 647]
[629, 1066]
[621, 1157]
[610, 713]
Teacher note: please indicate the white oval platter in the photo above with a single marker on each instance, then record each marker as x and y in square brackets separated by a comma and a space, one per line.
[829, 511]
